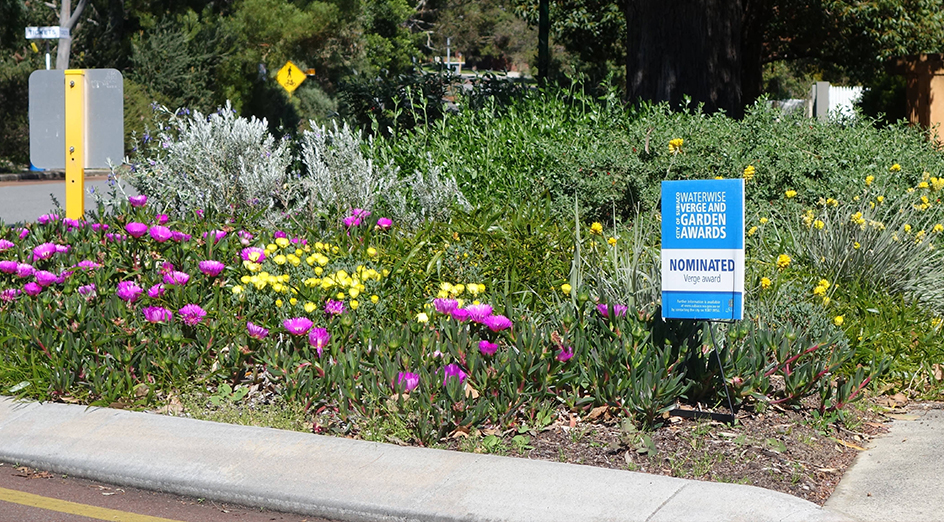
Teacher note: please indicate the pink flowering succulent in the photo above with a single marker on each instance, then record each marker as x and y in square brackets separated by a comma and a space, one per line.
[156, 291]
[9, 294]
[253, 254]
[384, 223]
[157, 314]
[453, 371]
[6, 244]
[318, 338]
[192, 314]
[24, 270]
[487, 348]
[129, 291]
[211, 268]
[8, 267]
[176, 278]
[256, 331]
[478, 313]
[297, 325]
[45, 278]
[159, 233]
[137, 201]
[135, 229]
[408, 380]
[333, 308]
[617, 309]
[497, 323]
[44, 251]
[356, 217]
[32, 289]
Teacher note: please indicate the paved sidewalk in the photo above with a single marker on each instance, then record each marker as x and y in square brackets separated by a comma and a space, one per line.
[354, 480]
[899, 477]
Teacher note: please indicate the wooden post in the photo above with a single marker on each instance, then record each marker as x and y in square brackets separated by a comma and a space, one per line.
[75, 143]
[925, 91]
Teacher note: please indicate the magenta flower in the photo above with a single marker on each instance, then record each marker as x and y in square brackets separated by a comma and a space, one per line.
[24, 270]
[176, 278]
[161, 219]
[88, 290]
[159, 233]
[45, 278]
[318, 338]
[85, 264]
[166, 268]
[129, 291]
[32, 289]
[297, 325]
[216, 234]
[460, 314]
[445, 306]
[114, 238]
[357, 215]
[9, 294]
[156, 291]
[63, 276]
[180, 237]
[47, 218]
[211, 268]
[99, 227]
[62, 249]
[6, 244]
[384, 223]
[256, 332]
[73, 223]
[44, 251]
[333, 308]
[244, 238]
[487, 348]
[137, 201]
[24, 232]
[565, 353]
[157, 314]
[135, 229]
[453, 370]
[8, 267]
[497, 323]
[279, 234]
[478, 313]
[254, 254]
[192, 314]
[409, 380]
[618, 310]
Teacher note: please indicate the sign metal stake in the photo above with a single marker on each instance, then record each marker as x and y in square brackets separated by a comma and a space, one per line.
[75, 143]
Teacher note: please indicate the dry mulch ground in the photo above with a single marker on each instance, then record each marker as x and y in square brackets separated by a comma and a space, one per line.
[783, 450]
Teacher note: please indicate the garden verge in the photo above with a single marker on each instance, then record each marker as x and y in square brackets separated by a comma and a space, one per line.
[793, 451]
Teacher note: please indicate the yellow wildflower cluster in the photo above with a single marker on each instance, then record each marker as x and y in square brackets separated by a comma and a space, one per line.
[675, 146]
[827, 202]
[820, 291]
[596, 228]
[765, 283]
[790, 193]
[858, 219]
[748, 173]
[783, 261]
[869, 179]
[451, 291]
[895, 168]
[306, 264]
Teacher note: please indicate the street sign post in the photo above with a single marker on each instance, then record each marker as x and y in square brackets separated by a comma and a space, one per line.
[76, 122]
[46, 33]
[290, 77]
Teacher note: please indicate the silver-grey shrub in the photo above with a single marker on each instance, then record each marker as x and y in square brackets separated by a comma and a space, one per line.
[425, 197]
[220, 163]
[338, 176]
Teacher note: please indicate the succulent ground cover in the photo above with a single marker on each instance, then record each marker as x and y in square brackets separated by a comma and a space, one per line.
[369, 287]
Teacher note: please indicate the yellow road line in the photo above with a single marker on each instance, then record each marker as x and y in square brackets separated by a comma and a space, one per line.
[74, 508]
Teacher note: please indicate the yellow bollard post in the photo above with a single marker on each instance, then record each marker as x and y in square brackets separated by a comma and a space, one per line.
[75, 143]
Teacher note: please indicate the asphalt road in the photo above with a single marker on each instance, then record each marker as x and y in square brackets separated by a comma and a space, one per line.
[27, 200]
[31, 495]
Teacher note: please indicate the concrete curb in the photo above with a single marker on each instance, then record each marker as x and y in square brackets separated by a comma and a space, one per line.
[345, 479]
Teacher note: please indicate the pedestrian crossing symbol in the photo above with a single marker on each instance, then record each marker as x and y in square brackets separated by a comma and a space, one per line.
[290, 77]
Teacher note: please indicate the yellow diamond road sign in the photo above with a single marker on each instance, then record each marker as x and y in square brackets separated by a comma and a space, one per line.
[290, 77]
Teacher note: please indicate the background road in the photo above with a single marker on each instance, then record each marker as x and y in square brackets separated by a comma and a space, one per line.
[27, 200]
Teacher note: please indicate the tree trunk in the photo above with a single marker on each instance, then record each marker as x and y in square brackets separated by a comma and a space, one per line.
[687, 48]
[67, 20]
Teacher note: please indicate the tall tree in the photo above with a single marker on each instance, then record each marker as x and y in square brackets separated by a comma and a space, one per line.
[691, 49]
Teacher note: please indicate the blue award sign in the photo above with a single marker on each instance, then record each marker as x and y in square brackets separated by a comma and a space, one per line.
[703, 249]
